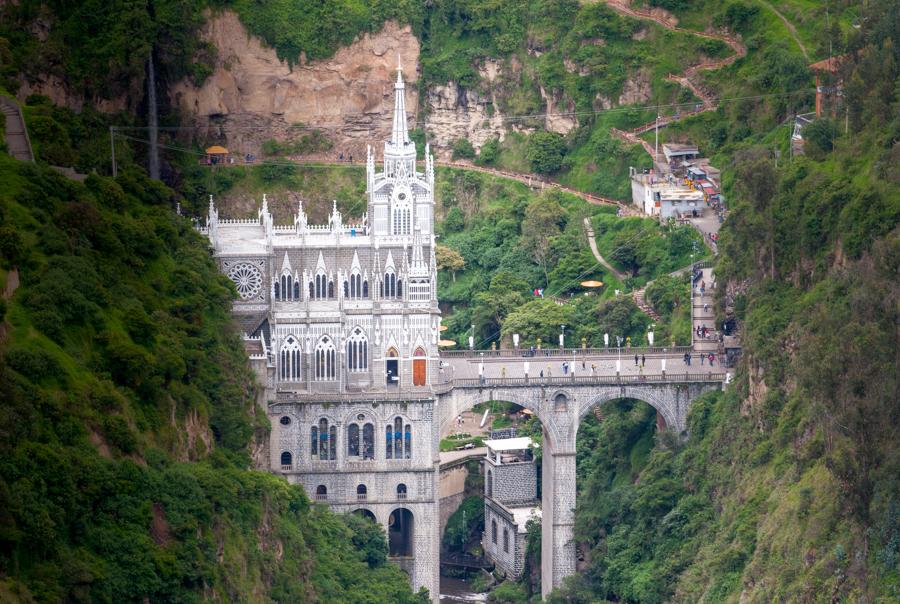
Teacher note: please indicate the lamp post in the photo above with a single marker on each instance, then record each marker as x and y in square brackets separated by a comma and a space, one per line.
[619, 355]
[472, 338]
[562, 337]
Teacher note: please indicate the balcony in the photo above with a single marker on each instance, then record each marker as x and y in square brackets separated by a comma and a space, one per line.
[287, 467]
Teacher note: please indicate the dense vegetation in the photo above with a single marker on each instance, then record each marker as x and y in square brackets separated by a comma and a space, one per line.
[127, 414]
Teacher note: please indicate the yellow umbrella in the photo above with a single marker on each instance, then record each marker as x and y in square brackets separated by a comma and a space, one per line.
[444, 328]
[591, 283]
[217, 150]
[447, 343]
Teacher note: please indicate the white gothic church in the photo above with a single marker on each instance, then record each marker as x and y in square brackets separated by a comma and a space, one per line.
[343, 324]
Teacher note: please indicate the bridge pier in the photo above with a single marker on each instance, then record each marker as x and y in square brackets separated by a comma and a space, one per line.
[558, 515]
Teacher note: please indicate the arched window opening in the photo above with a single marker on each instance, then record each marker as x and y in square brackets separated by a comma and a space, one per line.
[560, 403]
[277, 290]
[365, 289]
[289, 360]
[400, 533]
[401, 491]
[407, 444]
[346, 289]
[361, 492]
[389, 442]
[323, 441]
[285, 287]
[398, 438]
[331, 289]
[312, 291]
[506, 540]
[286, 460]
[489, 484]
[390, 285]
[357, 351]
[400, 288]
[321, 286]
[494, 532]
[296, 290]
[321, 493]
[368, 448]
[332, 443]
[392, 367]
[353, 440]
[285, 420]
[324, 359]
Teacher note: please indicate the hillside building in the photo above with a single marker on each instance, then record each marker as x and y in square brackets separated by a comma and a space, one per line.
[510, 500]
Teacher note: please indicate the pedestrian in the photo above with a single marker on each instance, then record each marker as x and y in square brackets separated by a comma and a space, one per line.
[687, 359]
[503, 372]
[549, 370]
[706, 308]
[565, 367]
[702, 357]
[593, 368]
[712, 358]
[351, 158]
[341, 156]
[643, 360]
[583, 364]
[542, 373]
[635, 360]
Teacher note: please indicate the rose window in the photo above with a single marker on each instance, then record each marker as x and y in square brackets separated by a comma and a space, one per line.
[247, 279]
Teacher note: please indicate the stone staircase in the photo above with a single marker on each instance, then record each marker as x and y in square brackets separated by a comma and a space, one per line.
[17, 141]
[638, 296]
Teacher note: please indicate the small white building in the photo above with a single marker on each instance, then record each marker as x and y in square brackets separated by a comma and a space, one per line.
[510, 500]
[665, 197]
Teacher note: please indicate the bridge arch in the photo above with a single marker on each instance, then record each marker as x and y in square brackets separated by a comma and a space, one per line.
[644, 395]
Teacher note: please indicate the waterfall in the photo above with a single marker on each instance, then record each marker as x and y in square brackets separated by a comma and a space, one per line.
[153, 118]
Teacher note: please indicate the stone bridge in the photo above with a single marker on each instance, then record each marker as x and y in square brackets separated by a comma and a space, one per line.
[560, 400]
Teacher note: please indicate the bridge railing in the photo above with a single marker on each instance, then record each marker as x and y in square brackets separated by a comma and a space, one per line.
[564, 352]
[588, 380]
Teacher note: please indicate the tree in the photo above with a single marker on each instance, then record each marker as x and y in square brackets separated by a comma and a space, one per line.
[449, 259]
[544, 219]
[505, 294]
[463, 149]
[489, 152]
[818, 138]
[545, 151]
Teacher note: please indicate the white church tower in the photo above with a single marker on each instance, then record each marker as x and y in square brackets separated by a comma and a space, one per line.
[342, 325]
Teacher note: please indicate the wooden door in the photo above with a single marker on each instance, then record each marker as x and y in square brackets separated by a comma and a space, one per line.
[418, 372]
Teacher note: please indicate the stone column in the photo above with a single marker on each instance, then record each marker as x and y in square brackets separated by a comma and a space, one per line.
[558, 509]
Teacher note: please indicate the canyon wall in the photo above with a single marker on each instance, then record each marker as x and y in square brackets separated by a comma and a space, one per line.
[252, 96]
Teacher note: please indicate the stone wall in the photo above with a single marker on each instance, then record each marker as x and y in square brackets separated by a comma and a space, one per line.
[512, 482]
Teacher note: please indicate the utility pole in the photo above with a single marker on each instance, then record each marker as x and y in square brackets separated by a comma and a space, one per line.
[112, 144]
[656, 146]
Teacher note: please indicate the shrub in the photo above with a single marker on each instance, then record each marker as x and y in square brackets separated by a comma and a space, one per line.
[463, 149]
[545, 151]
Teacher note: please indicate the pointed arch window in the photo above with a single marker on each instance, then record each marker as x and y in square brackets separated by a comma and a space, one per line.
[324, 360]
[506, 540]
[494, 532]
[398, 440]
[277, 290]
[357, 351]
[389, 286]
[289, 360]
[297, 289]
[361, 440]
[354, 287]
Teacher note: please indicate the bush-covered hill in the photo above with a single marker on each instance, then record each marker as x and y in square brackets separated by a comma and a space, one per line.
[126, 415]
[787, 489]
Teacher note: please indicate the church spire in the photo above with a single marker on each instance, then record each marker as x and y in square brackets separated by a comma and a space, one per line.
[399, 133]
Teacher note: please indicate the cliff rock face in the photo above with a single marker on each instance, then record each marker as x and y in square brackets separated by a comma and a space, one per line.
[252, 96]
[455, 112]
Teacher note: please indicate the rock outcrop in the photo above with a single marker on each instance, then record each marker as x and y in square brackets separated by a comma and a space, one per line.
[252, 96]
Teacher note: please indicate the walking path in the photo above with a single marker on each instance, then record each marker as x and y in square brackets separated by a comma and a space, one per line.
[707, 99]
[702, 313]
[589, 230]
[17, 141]
[789, 25]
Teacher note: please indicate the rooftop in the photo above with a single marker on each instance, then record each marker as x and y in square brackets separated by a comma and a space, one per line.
[511, 444]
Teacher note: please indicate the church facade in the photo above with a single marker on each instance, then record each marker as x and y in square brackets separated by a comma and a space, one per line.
[342, 327]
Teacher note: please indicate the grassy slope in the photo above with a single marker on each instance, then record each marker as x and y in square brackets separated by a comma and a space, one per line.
[127, 410]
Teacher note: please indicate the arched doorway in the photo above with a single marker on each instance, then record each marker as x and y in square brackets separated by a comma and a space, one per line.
[400, 533]
[419, 367]
[392, 368]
